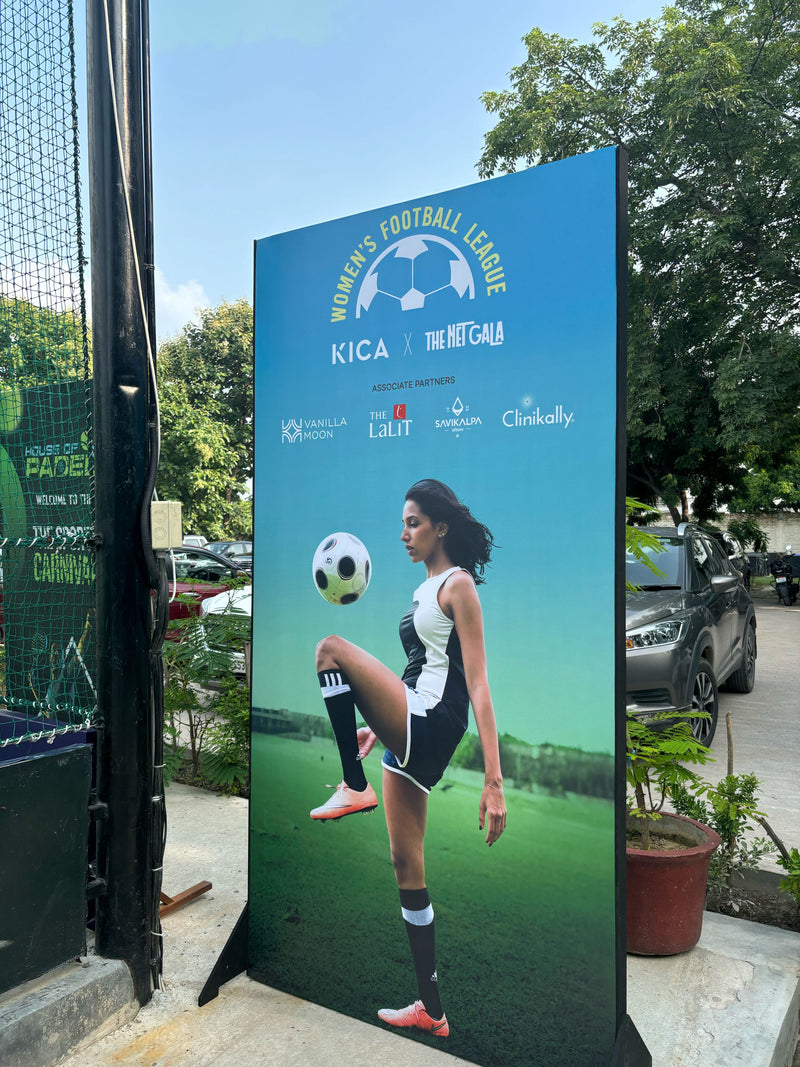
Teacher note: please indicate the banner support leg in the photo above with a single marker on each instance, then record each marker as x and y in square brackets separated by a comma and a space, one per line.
[629, 1048]
[232, 960]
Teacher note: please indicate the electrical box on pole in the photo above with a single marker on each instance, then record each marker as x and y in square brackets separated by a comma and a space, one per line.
[166, 525]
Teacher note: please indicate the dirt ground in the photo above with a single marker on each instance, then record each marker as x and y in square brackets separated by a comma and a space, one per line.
[773, 908]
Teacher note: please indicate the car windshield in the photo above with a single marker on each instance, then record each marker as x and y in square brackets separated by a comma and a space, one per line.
[191, 567]
[183, 566]
[207, 571]
[667, 561]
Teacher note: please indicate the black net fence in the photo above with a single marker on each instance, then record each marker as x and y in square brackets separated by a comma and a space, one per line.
[47, 610]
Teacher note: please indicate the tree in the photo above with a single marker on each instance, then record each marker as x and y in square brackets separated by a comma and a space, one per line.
[40, 346]
[772, 490]
[206, 395]
[705, 101]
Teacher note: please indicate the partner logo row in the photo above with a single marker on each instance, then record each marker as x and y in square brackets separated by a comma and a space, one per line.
[397, 422]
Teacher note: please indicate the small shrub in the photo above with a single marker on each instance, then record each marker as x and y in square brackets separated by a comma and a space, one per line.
[226, 763]
[791, 863]
[206, 707]
[657, 763]
[730, 808]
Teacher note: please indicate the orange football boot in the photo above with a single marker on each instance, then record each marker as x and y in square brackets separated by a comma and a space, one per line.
[415, 1015]
[346, 801]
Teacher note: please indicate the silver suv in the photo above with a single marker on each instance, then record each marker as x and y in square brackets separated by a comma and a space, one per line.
[689, 631]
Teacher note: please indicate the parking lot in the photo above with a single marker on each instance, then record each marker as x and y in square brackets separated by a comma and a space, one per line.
[766, 738]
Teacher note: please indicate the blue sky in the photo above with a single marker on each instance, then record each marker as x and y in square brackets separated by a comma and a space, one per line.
[271, 117]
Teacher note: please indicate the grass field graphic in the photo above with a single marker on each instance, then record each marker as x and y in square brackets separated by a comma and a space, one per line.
[525, 929]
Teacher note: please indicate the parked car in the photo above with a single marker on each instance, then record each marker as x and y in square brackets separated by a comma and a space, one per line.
[240, 551]
[232, 603]
[195, 540]
[688, 631]
[198, 575]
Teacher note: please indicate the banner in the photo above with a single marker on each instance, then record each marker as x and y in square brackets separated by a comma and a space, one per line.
[46, 480]
[469, 337]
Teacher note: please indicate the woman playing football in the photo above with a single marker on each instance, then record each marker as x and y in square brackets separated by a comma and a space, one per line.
[420, 718]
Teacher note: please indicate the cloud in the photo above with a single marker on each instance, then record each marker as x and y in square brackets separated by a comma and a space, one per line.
[177, 305]
[52, 283]
[46, 283]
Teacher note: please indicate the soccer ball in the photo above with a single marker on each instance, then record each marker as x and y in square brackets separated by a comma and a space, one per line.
[414, 270]
[341, 569]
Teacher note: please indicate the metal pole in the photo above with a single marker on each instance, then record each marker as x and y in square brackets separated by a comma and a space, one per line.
[121, 396]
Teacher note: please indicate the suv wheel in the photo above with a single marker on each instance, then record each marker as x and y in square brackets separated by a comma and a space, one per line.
[743, 679]
[704, 699]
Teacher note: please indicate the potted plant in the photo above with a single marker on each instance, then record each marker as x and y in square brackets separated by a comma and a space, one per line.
[667, 856]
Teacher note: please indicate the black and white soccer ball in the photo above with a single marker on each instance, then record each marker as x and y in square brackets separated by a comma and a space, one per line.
[415, 271]
[341, 568]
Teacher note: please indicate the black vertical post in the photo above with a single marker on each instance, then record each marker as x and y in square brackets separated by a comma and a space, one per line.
[119, 224]
[629, 1048]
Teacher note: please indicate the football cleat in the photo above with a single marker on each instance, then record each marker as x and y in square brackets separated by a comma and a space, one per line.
[346, 801]
[415, 1015]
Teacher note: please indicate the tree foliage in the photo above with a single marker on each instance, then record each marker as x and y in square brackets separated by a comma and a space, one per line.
[206, 394]
[768, 490]
[705, 99]
[40, 346]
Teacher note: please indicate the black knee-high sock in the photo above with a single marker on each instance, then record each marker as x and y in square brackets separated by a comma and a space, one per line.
[418, 914]
[341, 707]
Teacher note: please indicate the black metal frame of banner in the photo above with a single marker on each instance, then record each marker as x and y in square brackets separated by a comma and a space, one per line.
[232, 960]
[629, 1048]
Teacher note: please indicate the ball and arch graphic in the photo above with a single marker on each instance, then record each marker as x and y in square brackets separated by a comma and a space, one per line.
[414, 271]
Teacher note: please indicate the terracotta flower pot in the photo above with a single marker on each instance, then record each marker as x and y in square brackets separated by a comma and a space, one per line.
[666, 891]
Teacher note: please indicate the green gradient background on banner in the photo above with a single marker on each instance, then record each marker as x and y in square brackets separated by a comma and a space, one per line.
[516, 411]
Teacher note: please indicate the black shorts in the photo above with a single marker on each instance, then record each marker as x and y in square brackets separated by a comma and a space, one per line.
[432, 736]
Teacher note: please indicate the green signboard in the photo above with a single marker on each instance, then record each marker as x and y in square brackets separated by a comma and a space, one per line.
[46, 504]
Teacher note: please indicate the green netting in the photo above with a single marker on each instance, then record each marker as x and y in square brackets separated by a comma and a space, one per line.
[47, 613]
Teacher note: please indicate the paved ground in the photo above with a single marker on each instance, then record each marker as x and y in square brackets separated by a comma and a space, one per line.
[733, 1000]
[248, 1023]
[766, 722]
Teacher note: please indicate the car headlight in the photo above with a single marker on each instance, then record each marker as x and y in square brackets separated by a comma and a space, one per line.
[660, 633]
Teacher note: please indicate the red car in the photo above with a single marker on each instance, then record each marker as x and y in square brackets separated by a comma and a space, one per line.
[198, 575]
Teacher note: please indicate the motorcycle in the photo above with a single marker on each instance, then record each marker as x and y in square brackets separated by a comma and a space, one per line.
[786, 586]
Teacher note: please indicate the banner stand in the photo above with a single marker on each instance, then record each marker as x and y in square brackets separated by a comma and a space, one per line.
[629, 1048]
[232, 961]
[470, 344]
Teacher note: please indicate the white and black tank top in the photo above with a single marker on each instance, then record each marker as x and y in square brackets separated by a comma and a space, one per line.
[435, 666]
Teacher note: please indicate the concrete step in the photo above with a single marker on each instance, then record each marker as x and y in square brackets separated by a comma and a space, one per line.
[42, 1020]
[731, 1001]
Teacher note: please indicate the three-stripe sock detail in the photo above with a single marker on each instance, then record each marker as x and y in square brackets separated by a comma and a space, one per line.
[341, 707]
